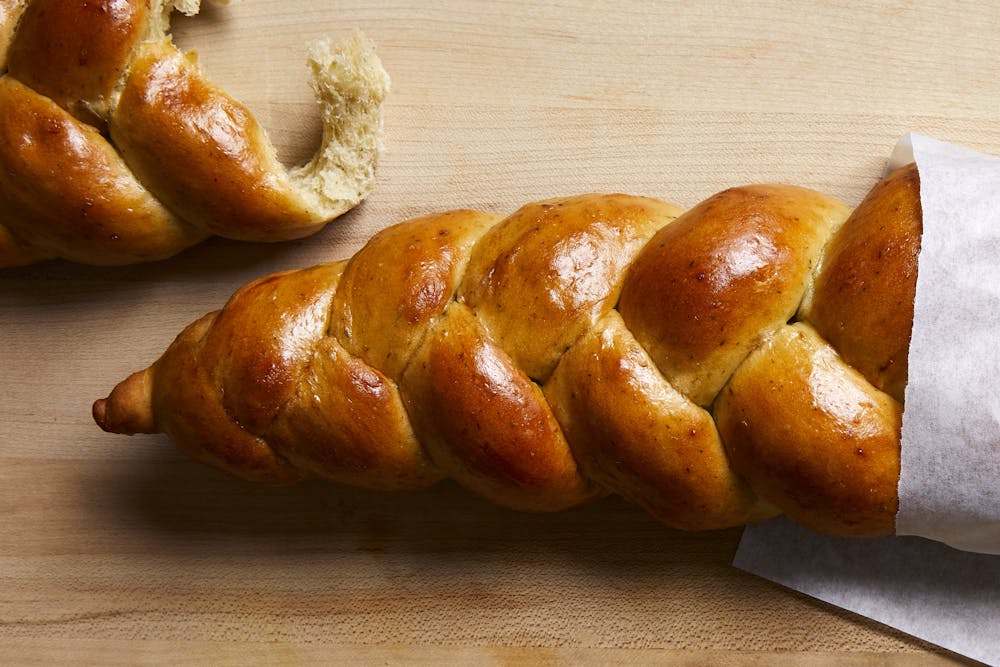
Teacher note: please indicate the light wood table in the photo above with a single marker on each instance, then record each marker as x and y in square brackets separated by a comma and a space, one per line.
[119, 551]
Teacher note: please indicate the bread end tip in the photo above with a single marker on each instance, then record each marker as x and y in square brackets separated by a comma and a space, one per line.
[128, 409]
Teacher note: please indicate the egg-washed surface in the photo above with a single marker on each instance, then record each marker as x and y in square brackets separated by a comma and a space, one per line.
[694, 362]
[115, 148]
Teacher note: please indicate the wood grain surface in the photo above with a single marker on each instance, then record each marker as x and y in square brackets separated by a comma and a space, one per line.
[117, 550]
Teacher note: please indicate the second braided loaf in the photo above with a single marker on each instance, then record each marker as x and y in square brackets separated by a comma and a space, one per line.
[716, 366]
[115, 148]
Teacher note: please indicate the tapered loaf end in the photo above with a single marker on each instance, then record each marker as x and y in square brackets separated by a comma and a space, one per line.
[129, 407]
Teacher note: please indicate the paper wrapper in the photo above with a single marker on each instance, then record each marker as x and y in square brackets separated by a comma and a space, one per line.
[949, 485]
[950, 453]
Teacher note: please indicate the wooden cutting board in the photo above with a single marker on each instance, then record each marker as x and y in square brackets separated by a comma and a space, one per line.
[119, 551]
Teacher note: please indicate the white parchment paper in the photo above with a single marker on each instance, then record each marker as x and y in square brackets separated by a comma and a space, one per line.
[926, 589]
[949, 485]
[950, 467]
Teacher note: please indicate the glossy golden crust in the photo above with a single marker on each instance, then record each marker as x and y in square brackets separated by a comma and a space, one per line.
[257, 355]
[188, 406]
[346, 423]
[486, 423]
[863, 299]
[635, 434]
[577, 347]
[813, 436]
[67, 193]
[400, 282]
[169, 113]
[75, 52]
[706, 290]
[546, 274]
[102, 89]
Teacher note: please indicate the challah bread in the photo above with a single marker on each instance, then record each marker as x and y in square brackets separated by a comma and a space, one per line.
[97, 89]
[716, 366]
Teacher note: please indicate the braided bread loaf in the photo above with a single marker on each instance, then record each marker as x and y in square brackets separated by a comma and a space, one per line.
[115, 149]
[717, 366]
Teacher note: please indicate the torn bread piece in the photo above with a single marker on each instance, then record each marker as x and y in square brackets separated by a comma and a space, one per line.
[198, 155]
